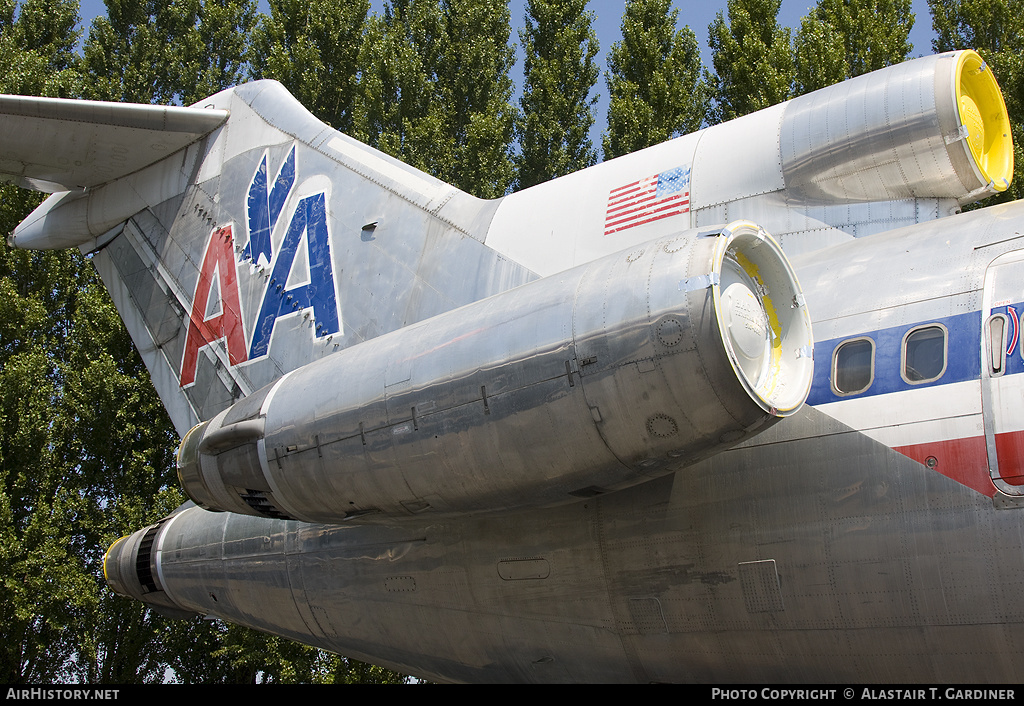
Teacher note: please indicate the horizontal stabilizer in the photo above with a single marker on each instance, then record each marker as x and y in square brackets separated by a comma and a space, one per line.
[51, 144]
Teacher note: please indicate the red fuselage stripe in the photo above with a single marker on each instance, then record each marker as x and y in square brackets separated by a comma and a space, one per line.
[966, 460]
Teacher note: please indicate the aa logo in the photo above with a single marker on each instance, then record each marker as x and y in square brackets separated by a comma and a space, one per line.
[216, 305]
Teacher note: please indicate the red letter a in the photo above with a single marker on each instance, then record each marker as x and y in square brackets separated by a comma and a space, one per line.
[218, 262]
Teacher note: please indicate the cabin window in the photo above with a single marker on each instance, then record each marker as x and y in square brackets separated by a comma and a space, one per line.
[853, 366]
[924, 354]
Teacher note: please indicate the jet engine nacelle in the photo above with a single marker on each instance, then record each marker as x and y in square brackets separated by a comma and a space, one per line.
[597, 378]
[936, 126]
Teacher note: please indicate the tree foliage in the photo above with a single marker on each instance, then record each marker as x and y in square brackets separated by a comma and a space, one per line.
[86, 454]
[157, 52]
[654, 78]
[435, 90]
[37, 49]
[396, 86]
[752, 58]
[311, 46]
[840, 39]
[476, 94]
[214, 53]
[67, 370]
[995, 28]
[554, 133]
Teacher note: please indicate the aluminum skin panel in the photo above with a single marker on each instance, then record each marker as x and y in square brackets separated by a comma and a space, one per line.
[805, 228]
[838, 142]
[1001, 392]
[879, 137]
[928, 270]
[880, 151]
[397, 246]
[285, 277]
[410, 265]
[739, 159]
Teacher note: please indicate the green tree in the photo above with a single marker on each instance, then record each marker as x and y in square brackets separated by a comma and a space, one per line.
[214, 53]
[45, 588]
[434, 90]
[995, 28]
[311, 46]
[554, 133]
[38, 49]
[752, 58]
[654, 78]
[124, 55]
[989, 25]
[396, 86]
[342, 670]
[476, 93]
[156, 52]
[86, 448]
[840, 39]
[86, 454]
[247, 656]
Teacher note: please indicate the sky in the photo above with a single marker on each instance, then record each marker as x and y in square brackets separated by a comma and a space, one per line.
[608, 17]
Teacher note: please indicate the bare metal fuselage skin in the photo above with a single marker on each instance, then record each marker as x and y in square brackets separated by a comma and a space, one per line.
[811, 553]
[559, 436]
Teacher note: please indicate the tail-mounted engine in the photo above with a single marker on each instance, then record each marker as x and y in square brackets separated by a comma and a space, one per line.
[626, 368]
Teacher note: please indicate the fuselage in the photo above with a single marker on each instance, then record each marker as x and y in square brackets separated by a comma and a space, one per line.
[856, 540]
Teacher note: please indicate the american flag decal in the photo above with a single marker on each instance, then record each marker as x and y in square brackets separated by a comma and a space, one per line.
[650, 199]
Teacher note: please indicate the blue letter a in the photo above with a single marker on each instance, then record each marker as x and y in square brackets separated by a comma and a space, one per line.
[318, 293]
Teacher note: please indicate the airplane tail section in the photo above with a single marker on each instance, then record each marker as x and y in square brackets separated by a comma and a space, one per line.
[241, 238]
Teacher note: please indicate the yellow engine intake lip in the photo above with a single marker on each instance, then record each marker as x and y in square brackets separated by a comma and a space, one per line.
[982, 113]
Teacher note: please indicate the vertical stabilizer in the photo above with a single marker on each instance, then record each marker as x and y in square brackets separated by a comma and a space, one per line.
[264, 241]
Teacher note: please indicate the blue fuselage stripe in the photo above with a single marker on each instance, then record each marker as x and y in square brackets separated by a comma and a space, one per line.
[963, 358]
